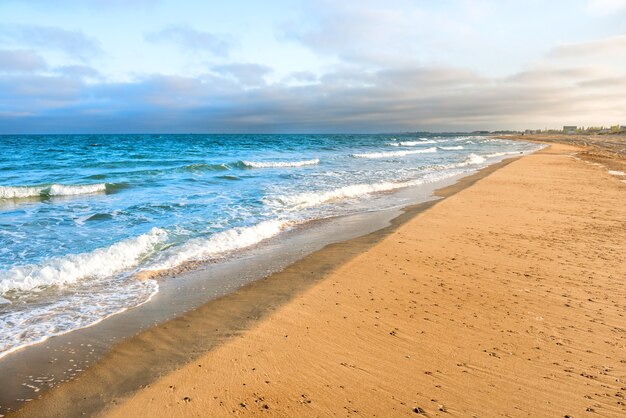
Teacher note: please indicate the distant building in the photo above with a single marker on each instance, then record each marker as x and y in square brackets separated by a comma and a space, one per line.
[570, 129]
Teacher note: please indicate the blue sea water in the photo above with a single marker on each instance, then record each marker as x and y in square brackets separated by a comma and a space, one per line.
[88, 222]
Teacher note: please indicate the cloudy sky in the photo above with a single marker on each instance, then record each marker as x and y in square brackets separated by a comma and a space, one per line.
[110, 66]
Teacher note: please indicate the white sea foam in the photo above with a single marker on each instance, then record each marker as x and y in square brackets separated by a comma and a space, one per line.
[394, 153]
[103, 262]
[453, 148]
[280, 164]
[617, 173]
[310, 199]
[411, 143]
[219, 244]
[69, 190]
[82, 307]
[20, 192]
[500, 154]
[472, 159]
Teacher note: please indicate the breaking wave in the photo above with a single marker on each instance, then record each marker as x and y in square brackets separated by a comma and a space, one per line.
[412, 143]
[100, 263]
[309, 199]
[21, 192]
[219, 244]
[280, 164]
[473, 159]
[500, 154]
[394, 153]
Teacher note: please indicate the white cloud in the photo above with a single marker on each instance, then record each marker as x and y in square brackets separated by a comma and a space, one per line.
[380, 33]
[73, 43]
[246, 74]
[607, 51]
[605, 7]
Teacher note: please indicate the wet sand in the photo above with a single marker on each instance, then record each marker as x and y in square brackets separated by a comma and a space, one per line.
[506, 298]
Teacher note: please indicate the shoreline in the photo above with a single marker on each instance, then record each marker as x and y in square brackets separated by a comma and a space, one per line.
[230, 313]
[507, 298]
[41, 366]
[608, 151]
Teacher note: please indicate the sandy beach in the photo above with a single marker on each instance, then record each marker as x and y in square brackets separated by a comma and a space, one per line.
[507, 298]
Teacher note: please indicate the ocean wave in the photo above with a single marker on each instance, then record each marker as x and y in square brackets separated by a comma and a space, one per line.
[21, 192]
[229, 177]
[280, 164]
[70, 190]
[218, 244]
[103, 262]
[200, 167]
[394, 153]
[310, 199]
[500, 154]
[412, 143]
[473, 159]
[83, 307]
[453, 148]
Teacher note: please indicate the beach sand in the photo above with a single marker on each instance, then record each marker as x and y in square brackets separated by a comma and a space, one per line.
[507, 298]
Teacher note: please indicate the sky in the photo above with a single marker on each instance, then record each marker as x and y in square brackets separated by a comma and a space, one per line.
[318, 66]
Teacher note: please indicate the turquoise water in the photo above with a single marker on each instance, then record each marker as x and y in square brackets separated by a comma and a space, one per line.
[82, 217]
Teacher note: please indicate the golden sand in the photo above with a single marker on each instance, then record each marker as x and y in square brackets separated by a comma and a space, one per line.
[506, 299]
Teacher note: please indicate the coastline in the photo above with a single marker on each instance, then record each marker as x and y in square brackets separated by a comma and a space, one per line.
[396, 364]
[231, 314]
[605, 150]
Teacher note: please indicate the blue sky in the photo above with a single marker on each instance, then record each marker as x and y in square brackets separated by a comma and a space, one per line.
[73, 66]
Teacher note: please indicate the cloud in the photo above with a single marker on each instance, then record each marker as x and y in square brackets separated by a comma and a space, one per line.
[306, 77]
[79, 71]
[609, 47]
[557, 76]
[191, 39]
[34, 95]
[250, 75]
[73, 43]
[402, 99]
[20, 60]
[605, 7]
[396, 32]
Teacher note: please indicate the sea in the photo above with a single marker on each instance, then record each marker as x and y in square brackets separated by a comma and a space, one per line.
[90, 225]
